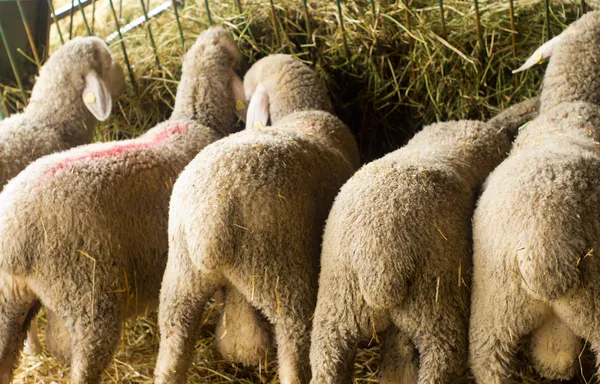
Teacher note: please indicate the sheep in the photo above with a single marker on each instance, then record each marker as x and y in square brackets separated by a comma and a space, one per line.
[95, 245]
[248, 212]
[536, 226]
[73, 91]
[396, 254]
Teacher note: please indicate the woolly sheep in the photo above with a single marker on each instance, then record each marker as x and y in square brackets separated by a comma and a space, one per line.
[248, 213]
[96, 242]
[537, 224]
[396, 253]
[73, 91]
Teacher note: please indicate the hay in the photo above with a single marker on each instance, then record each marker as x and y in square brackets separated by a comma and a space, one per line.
[389, 73]
[401, 71]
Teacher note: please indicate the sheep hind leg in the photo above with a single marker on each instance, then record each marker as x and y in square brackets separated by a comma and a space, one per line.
[399, 364]
[291, 318]
[242, 335]
[58, 339]
[94, 340]
[578, 310]
[495, 331]
[554, 350]
[32, 343]
[339, 323]
[183, 295]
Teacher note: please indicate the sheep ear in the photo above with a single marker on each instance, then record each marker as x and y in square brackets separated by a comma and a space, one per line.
[96, 96]
[258, 110]
[237, 90]
[541, 53]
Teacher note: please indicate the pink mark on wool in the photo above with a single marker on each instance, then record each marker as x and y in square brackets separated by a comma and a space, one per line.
[119, 149]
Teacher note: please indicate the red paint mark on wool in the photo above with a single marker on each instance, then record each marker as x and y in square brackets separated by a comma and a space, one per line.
[119, 149]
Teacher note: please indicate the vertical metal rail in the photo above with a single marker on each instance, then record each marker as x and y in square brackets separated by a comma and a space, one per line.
[513, 28]
[87, 26]
[51, 7]
[406, 14]
[122, 43]
[178, 23]
[3, 113]
[210, 22]
[12, 63]
[548, 19]
[71, 19]
[307, 17]
[208, 14]
[443, 18]
[343, 29]
[150, 35]
[93, 15]
[478, 21]
[274, 21]
[29, 36]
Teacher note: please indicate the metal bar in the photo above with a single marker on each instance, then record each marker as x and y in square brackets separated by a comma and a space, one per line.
[139, 21]
[3, 111]
[478, 21]
[512, 26]
[178, 23]
[13, 64]
[131, 77]
[87, 27]
[71, 20]
[307, 16]
[150, 36]
[64, 12]
[442, 17]
[274, 21]
[548, 19]
[62, 40]
[93, 15]
[210, 22]
[29, 37]
[406, 14]
[341, 17]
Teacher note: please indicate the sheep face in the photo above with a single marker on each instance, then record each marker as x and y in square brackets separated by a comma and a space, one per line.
[18, 307]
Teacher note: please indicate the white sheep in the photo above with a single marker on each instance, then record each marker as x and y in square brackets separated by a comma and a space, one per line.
[73, 91]
[84, 232]
[397, 254]
[536, 229]
[248, 214]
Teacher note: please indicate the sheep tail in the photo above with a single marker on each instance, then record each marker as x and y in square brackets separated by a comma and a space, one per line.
[511, 119]
[551, 269]
[384, 284]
